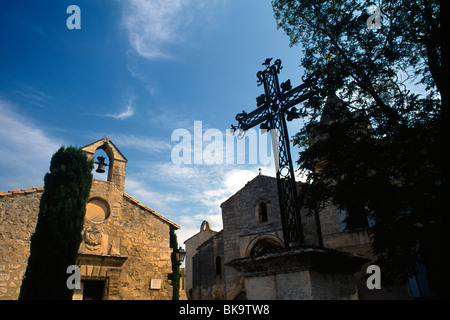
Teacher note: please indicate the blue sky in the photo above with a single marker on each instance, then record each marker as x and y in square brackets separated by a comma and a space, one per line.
[136, 71]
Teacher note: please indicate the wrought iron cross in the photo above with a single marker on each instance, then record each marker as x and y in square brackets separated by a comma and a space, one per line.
[273, 107]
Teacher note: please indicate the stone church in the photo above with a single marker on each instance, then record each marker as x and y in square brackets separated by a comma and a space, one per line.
[228, 264]
[125, 251]
[252, 227]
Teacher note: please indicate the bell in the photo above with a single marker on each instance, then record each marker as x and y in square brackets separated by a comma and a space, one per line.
[101, 164]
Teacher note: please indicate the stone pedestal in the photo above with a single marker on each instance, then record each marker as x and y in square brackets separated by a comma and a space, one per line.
[301, 273]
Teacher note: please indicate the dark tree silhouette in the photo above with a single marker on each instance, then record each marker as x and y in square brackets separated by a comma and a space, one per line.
[57, 237]
[372, 143]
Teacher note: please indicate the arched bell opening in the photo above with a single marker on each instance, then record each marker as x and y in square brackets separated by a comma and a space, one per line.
[110, 163]
[102, 165]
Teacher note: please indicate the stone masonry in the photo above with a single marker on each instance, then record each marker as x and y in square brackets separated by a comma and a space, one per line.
[242, 228]
[18, 217]
[125, 247]
[245, 234]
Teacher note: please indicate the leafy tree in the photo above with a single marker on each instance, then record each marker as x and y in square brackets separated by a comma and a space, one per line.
[372, 143]
[175, 275]
[55, 242]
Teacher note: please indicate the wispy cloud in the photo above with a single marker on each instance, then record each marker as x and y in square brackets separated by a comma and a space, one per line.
[152, 25]
[145, 78]
[154, 199]
[25, 148]
[33, 96]
[149, 145]
[125, 114]
[190, 193]
[209, 188]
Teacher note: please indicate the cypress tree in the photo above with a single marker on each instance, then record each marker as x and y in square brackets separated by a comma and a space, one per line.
[175, 275]
[57, 237]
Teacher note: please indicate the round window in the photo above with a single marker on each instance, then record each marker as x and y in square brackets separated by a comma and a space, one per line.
[97, 210]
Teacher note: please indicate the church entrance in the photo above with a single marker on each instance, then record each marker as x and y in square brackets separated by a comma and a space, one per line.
[93, 289]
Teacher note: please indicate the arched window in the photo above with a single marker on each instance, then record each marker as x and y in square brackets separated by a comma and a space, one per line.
[263, 246]
[262, 211]
[218, 264]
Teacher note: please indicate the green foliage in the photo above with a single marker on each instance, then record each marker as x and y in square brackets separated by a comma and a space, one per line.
[57, 237]
[175, 275]
[372, 70]
[380, 152]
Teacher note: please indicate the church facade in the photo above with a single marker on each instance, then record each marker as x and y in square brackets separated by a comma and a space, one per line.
[252, 227]
[125, 252]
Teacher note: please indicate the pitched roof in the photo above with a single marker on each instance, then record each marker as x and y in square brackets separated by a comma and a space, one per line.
[151, 211]
[21, 191]
[101, 143]
[258, 179]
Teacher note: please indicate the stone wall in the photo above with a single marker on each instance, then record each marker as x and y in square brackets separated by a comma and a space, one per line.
[191, 249]
[18, 216]
[125, 249]
[301, 273]
[139, 236]
[133, 251]
[208, 275]
[241, 225]
[243, 229]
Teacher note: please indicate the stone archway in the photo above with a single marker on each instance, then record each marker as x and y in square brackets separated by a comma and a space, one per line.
[264, 244]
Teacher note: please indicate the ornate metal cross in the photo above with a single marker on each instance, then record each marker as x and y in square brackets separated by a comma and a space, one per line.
[273, 107]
